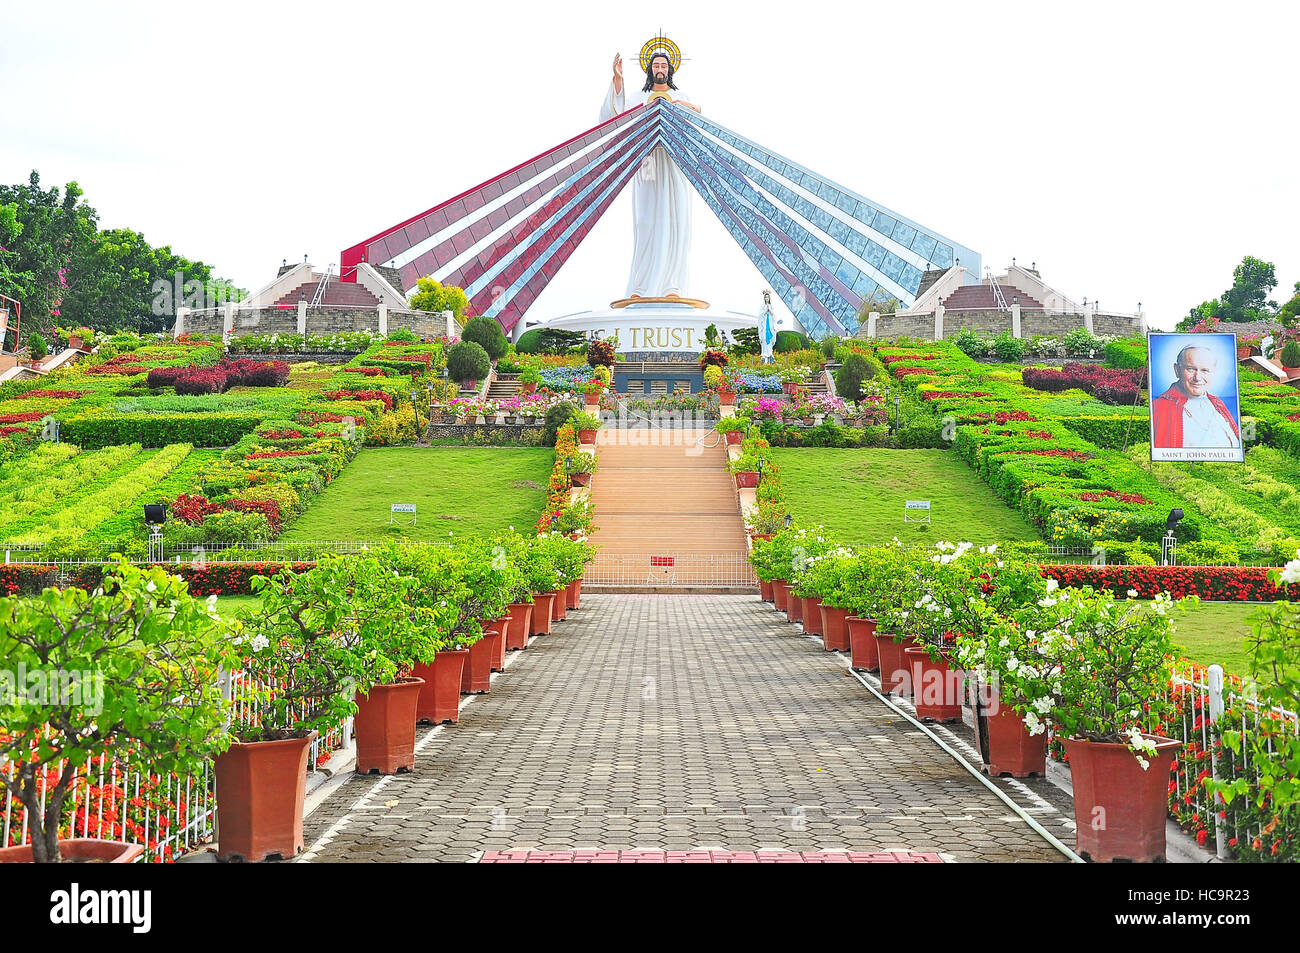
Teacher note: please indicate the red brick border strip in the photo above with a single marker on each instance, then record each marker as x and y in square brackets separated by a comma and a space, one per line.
[707, 857]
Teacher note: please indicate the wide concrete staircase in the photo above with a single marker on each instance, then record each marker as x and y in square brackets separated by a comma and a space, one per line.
[668, 515]
[338, 294]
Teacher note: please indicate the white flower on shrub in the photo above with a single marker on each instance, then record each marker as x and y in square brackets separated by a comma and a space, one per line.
[1291, 571]
[1043, 705]
[259, 642]
[1034, 724]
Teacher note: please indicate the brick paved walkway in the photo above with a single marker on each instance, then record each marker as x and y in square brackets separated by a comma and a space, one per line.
[672, 723]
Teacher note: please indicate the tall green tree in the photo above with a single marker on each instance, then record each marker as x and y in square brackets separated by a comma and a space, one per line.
[113, 285]
[55, 230]
[1246, 300]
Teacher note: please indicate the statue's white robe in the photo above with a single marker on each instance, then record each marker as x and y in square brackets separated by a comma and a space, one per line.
[661, 211]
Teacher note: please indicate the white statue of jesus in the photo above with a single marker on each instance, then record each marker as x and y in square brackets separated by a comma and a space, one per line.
[661, 196]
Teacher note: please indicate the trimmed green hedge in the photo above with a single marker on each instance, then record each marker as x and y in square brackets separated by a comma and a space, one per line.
[1130, 353]
[158, 430]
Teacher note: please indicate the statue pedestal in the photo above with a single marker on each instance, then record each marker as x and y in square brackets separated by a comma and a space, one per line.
[666, 328]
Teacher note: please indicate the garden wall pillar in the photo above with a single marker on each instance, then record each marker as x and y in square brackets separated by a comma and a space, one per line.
[302, 317]
[1015, 320]
[180, 322]
[383, 319]
[871, 323]
[1087, 320]
[938, 322]
[228, 319]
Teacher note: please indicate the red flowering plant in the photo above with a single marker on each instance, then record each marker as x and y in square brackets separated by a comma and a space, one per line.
[130, 667]
[1272, 743]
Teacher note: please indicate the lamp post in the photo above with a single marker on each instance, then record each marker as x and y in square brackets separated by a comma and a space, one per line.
[568, 466]
[788, 520]
[898, 403]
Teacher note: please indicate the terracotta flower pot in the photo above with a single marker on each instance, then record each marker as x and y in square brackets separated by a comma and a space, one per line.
[521, 618]
[1243, 353]
[812, 615]
[1119, 808]
[261, 787]
[1011, 748]
[835, 631]
[747, 479]
[500, 625]
[574, 594]
[542, 610]
[765, 593]
[79, 849]
[587, 436]
[529, 388]
[440, 694]
[794, 607]
[476, 677]
[862, 643]
[894, 676]
[789, 387]
[734, 438]
[780, 594]
[936, 687]
[580, 479]
[560, 604]
[591, 400]
[385, 727]
[726, 398]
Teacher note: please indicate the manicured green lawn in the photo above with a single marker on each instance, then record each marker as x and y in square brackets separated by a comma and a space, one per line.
[461, 491]
[1215, 632]
[859, 494]
[229, 606]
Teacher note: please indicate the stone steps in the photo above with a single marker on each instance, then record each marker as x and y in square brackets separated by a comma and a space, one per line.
[660, 496]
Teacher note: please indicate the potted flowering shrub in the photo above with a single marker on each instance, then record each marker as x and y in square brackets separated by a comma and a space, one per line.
[529, 378]
[827, 576]
[732, 429]
[319, 642]
[543, 581]
[793, 375]
[586, 424]
[128, 669]
[1095, 671]
[581, 468]
[745, 469]
[591, 390]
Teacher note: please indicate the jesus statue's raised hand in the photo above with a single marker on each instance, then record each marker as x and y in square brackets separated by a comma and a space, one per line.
[618, 73]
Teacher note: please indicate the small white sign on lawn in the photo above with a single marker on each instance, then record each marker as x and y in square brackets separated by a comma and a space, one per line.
[916, 511]
[401, 508]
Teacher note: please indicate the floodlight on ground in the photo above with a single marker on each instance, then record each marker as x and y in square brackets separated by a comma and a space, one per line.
[1175, 517]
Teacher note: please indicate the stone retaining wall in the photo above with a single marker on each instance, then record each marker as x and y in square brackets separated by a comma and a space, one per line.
[991, 323]
[426, 324]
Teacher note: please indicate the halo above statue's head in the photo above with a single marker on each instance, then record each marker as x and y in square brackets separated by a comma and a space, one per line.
[660, 45]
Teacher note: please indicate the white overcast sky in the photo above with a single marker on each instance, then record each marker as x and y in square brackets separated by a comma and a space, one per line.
[1135, 151]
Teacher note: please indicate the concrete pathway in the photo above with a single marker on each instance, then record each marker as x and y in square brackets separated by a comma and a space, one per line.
[673, 723]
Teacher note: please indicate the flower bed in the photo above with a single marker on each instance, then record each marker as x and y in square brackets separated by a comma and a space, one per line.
[1218, 583]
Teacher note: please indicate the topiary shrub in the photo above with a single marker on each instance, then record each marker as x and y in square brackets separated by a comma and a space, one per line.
[556, 418]
[787, 341]
[1291, 354]
[467, 361]
[486, 333]
[851, 374]
[36, 345]
[530, 342]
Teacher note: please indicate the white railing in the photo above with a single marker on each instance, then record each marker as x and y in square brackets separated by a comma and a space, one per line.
[1211, 706]
[319, 295]
[997, 291]
[168, 814]
[666, 569]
